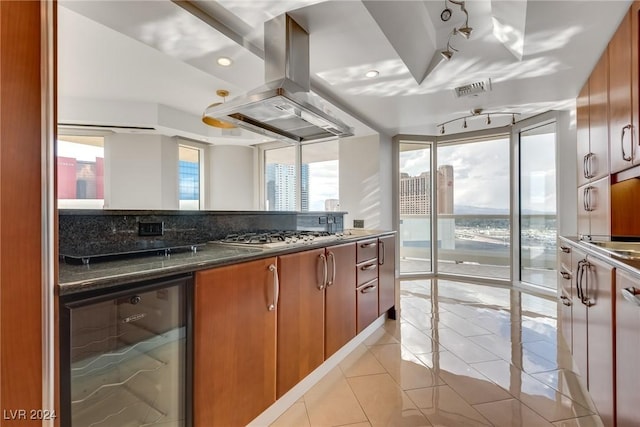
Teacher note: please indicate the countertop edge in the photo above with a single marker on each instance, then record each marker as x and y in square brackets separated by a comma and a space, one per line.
[608, 258]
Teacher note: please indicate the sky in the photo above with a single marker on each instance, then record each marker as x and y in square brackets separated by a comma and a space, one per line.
[481, 172]
[323, 183]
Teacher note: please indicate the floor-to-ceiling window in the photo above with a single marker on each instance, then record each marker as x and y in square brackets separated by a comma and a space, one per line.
[538, 228]
[415, 204]
[473, 205]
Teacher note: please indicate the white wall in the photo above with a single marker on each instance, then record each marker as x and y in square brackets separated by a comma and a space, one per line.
[229, 179]
[567, 174]
[366, 181]
[141, 172]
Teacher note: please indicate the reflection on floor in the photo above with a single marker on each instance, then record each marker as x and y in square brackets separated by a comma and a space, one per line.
[460, 355]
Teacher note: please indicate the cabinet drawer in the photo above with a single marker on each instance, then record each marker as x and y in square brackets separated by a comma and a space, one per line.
[366, 271]
[367, 304]
[366, 250]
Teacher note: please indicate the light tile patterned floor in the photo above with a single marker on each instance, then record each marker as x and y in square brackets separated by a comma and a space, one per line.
[460, 355]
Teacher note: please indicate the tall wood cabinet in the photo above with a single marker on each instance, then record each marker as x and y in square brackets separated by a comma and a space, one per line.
[622, 134]
[592, 328]
[593, 152]
[627, 349]
[234, 343]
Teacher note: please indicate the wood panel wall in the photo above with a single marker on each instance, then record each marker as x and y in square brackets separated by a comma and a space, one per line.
[20, 211]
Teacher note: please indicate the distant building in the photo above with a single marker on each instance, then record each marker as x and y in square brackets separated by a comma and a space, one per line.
[281, 187]
[415, 192]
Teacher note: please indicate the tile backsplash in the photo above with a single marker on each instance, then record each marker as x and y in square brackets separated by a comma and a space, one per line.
[79, 229]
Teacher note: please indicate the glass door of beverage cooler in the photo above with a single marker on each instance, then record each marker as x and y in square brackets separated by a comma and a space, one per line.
[124, 359]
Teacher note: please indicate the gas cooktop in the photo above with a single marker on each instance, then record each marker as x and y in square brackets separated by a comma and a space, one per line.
[279, 238]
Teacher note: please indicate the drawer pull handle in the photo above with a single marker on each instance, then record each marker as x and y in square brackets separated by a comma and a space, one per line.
[565, 249]
[332, 257]
[368, 245]
[566, 301]
[565, 275]
[381, 253]
[368, 289]
[325, 273]
[276, 287]
[368, 267]
[631, 295]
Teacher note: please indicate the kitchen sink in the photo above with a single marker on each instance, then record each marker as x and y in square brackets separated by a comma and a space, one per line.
[624, 250]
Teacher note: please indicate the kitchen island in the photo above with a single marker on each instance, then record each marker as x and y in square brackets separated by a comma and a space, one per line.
[263, 324]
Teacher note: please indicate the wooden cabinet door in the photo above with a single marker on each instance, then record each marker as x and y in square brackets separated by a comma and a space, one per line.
[621, 140]
[582, 129]
[300, 316]
[234, 343]
[579, 317]
[386, 273]
[599, 201]
[627, 349]
[599, 118]
[600, 316]
[340, 307]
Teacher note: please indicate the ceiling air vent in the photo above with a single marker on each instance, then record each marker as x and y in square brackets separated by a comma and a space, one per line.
[473, 89]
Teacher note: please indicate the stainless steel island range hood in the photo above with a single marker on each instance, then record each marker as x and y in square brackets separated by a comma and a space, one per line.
[283, 108]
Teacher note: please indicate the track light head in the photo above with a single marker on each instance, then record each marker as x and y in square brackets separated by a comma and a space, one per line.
[488, 119]
[465, 31]
[442, 130]
[446, 54]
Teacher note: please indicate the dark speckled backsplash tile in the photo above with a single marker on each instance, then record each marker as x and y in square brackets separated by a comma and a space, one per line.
[80, 230]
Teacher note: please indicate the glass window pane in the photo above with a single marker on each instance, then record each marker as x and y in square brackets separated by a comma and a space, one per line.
[319, 184]
[280, 179]
[415, 208]
[474, 229]
[538, 230]
[80, 172]
[189, 176]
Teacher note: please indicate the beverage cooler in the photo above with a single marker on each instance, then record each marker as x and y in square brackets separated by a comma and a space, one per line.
[125, 358]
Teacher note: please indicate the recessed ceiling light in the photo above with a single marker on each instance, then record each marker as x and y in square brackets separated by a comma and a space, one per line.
[224, 61]
[372, 73]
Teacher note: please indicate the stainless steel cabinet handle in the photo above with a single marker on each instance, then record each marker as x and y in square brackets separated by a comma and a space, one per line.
[585, 171]
[381, 251]
[276, 287]
[565, 249]
[368, 289]
[565, 275]
[565, 300]
[624, 154]
[368, 245]
[584, 199]
[587, 199]
[368, 267]
[332, 257]
[632, 295]
[322, 285]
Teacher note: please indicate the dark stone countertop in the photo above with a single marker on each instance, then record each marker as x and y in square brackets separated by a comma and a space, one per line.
[118, 273]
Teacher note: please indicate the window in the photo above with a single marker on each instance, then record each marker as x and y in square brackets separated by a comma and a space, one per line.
[319, 189]
[538, 230]
[80, 172]
[473, 197]
[189, 177]
[280, 179]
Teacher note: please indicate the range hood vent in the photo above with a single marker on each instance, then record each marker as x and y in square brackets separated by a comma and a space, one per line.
[283, 108]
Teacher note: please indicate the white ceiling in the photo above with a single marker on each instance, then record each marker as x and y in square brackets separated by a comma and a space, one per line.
[153, 63]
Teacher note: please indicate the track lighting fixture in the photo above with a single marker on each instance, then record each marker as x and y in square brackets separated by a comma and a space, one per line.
[476, 112]
[464, 31]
